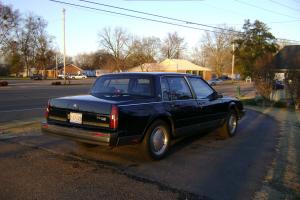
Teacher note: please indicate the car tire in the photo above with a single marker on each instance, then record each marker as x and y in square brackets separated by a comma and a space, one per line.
[156, 142]
[229, 128]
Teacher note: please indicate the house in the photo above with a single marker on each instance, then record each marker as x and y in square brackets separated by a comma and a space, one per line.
[174, 65]
[52, 71]
[287, 68]
[287, 59]
[71, 69]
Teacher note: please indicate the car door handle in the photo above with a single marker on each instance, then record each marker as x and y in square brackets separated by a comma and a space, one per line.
[200, 105]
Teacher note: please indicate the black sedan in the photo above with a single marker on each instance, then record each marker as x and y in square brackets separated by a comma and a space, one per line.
[147, 108]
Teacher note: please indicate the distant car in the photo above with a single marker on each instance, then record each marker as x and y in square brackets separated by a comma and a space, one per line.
[79, 76]
[61, 76]
[36, 77]
[214, 81]
[224, 78]
[147, 108]
[278, 85]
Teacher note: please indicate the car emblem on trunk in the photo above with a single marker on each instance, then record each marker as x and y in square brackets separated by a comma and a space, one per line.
[75, 106]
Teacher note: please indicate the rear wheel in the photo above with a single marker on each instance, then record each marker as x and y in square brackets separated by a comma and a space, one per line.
[228, 129]
[157, 140]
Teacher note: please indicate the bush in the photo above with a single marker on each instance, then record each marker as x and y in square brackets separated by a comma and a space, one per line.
[3, 83]
[56, 83]
[280, 104]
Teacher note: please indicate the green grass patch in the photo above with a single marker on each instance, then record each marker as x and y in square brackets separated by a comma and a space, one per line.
[13, 78]
[264, 103]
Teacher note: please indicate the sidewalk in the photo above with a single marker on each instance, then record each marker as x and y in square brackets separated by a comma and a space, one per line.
[283, 179]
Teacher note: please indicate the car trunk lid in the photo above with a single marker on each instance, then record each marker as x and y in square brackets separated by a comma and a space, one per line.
[85, 111]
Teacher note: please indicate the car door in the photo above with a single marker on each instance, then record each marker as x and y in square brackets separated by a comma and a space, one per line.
[182, 105]
[210, 107]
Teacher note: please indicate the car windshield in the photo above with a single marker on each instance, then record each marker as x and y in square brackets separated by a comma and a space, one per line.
[123, 86]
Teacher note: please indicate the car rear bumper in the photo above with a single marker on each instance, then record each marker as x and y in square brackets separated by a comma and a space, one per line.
[86, 136]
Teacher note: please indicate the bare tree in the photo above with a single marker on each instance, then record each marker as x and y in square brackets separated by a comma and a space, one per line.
[199, 57]
[150, 46]
[9, 20]
[84, 60]
[216, 46]
[263, 75]
[173, 46]
[142, 51]
[115, 42]
[31, 38]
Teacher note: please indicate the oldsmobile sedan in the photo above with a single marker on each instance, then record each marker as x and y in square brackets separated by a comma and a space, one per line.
[146, 108]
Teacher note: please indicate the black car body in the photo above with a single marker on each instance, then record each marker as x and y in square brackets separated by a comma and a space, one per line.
[128, 108]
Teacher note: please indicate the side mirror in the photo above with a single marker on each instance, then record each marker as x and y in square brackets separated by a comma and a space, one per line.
[216, 95]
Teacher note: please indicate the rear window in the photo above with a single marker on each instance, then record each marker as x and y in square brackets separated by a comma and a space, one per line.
[123, 85]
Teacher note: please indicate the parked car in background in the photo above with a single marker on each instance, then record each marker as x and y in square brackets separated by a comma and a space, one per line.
[61, 76]
[224, 78]
[214, 81]
[36, 77]
[78, 76]
[278, 85]
[147, 108]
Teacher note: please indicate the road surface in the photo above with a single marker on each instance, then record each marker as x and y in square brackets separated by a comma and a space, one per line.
[36, 166]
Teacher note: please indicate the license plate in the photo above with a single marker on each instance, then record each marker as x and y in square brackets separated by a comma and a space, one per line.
[76, 118]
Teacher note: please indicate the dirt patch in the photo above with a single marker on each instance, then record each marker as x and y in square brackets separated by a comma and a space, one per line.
[20, 127]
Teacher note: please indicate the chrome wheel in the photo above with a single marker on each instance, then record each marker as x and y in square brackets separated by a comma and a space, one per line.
[158, 141]
[232, 123]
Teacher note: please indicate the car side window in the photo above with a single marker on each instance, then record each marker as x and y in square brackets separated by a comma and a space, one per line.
[179, 88]
[165, 90]
[201, 89]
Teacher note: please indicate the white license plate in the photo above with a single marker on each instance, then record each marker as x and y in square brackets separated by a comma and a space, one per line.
[76, 118]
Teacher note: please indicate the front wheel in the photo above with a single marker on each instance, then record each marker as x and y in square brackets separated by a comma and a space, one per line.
[157, 140]
[228, 129]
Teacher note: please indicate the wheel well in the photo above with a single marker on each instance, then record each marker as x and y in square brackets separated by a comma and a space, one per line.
[234, 108]
[164, 119]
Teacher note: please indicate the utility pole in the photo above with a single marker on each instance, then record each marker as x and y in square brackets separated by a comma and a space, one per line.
[64, 44]
[232, 64]
[56, 65]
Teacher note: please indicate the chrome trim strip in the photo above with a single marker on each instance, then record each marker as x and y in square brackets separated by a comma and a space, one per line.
[136, 104]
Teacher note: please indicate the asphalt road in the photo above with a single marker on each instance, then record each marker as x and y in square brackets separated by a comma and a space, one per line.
[28, 99]
[36, 166]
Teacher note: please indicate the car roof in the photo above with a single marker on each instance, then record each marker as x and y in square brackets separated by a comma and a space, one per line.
[149, 73]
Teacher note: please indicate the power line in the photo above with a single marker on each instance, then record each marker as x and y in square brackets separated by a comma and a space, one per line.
[267, 10]
[283, 5]
[155, 15]
[148, 19]
[164, 17]
[132, 16]
[273, 22]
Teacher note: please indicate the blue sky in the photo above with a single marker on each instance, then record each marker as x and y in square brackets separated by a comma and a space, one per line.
[83, 26]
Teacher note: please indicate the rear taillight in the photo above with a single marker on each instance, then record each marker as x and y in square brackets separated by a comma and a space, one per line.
[114, 117]
[47, 110]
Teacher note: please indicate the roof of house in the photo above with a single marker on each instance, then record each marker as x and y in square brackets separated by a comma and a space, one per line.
[288, 58]
[169, 65]
[181, 64]
[146, 67]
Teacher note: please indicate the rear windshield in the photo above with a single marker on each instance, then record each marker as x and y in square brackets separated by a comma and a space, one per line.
[125, 85]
